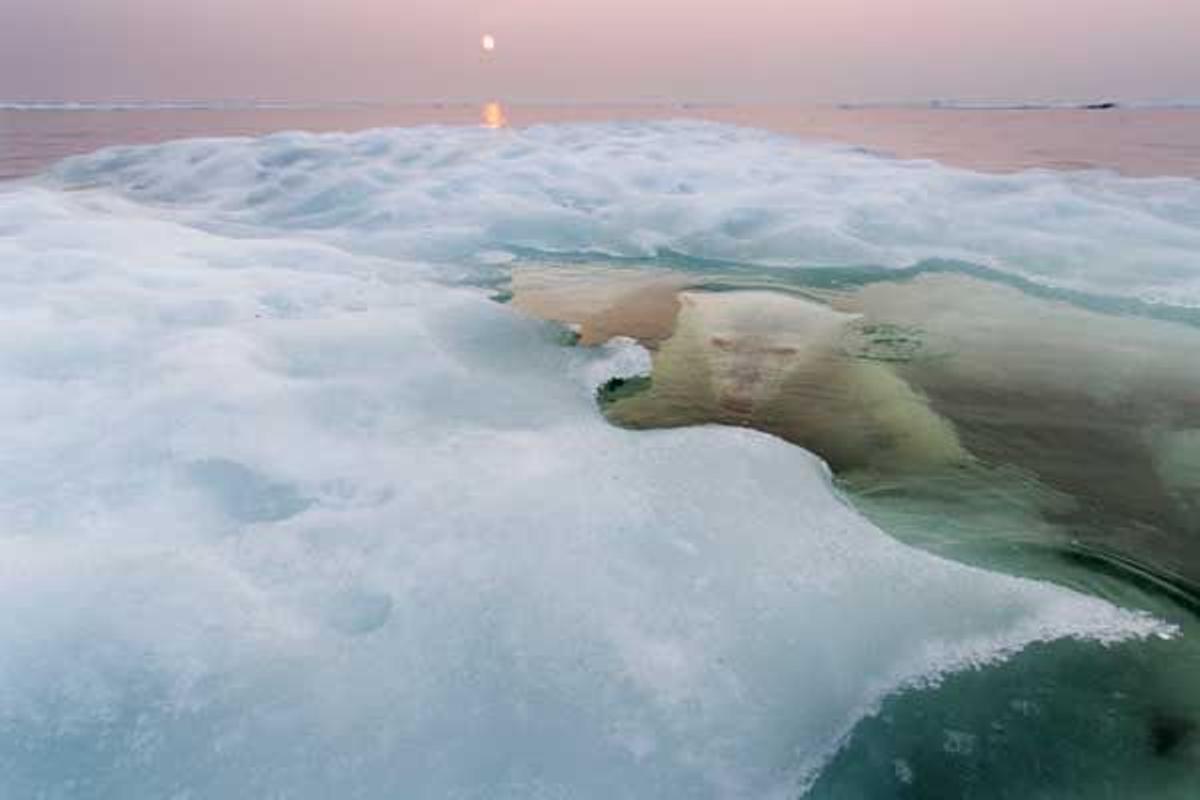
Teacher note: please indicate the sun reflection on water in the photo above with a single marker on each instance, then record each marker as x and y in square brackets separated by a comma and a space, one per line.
[493, 116]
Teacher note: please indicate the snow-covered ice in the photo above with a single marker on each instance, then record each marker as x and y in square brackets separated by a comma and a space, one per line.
[287, 509]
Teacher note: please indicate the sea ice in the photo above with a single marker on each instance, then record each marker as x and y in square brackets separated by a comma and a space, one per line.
[288, 511]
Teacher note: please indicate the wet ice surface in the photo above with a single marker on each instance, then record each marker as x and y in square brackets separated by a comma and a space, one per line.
[979, 422]
[702, 190]
[288, 510]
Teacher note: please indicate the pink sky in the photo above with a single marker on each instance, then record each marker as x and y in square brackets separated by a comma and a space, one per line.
[802, 50]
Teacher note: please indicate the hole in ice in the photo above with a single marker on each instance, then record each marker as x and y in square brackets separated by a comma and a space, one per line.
[244, 494]
[357, 612]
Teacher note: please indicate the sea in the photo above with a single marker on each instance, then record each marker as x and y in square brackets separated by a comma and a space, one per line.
[1144, 140]
[501, 450]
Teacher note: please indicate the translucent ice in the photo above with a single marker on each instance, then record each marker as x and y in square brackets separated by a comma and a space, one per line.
[286, 514]
[700, 189]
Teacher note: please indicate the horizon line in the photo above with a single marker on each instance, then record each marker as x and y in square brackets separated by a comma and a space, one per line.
[260, 103]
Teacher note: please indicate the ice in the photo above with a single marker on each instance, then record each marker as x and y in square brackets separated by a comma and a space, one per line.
[287, 511]
[694, 188]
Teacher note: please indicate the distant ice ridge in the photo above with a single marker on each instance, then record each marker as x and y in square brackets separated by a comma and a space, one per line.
[1042, 104]
[166, 105]
[700, 189]
[283, 514]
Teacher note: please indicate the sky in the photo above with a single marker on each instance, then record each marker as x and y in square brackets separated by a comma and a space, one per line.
[599, 50]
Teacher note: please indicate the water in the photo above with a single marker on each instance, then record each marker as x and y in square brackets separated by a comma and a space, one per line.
[293, 507]
[1145, 141]
[978, 422]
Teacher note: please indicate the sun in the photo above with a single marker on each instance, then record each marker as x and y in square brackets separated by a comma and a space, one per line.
[488, 42]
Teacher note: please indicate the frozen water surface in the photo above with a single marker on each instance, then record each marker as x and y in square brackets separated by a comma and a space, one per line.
[291, 509]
